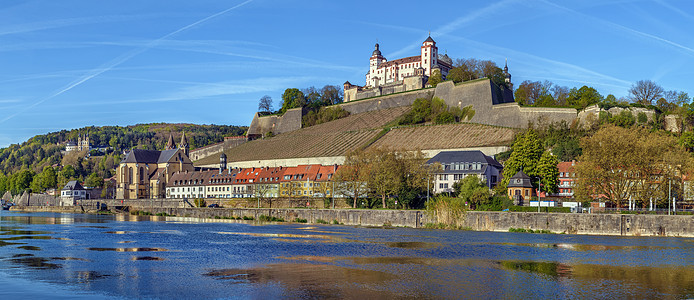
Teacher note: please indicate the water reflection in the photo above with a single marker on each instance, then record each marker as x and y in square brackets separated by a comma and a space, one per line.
[413, 245]
[216, 260]
[32, 248]
[35, 262]
[146, 258]
[312, 280]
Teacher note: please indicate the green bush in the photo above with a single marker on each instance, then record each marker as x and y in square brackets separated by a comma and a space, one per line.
[300, 220]
[321, 221]
[248, 218]
[336, 222]
[264, 218]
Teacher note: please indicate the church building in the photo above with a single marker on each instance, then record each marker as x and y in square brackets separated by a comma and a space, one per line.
[144, 174]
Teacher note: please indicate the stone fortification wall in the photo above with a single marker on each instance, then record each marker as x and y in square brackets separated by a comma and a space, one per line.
[289, 121]
[590, 114]
[27, 199]
[215, 149]
[384, 102]
[492, 108]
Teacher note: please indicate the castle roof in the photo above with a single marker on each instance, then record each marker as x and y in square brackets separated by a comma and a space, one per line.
[429, 39]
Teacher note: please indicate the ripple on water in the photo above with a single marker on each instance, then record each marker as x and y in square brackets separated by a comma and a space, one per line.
[140, 249]
[32, 248]
[36, 263]
[147, 258]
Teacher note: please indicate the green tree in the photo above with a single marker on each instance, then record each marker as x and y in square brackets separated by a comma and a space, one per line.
[526, 152]
[435, 78]
[94, 180]
[583, 97]
[292, 98]
[548, 171]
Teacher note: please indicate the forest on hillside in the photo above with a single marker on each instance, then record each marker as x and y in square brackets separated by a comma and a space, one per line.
[38, 164]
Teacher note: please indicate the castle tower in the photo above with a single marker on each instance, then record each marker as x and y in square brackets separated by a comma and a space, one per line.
[373, 78]
[429, 55]
[170, 144]
[222, 163]
[184, 144]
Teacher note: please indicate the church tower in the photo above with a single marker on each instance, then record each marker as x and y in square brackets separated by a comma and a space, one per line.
[184, 144]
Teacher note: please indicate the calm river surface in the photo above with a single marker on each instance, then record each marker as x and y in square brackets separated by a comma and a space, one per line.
[51, 255]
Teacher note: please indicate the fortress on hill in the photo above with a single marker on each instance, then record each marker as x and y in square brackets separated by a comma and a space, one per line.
[399, 82]
[390, 88]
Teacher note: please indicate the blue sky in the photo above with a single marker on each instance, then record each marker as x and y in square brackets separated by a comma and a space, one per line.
[74, 63]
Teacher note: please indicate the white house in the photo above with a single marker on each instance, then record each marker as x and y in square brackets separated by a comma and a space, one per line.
[460, 164]
[72, 192]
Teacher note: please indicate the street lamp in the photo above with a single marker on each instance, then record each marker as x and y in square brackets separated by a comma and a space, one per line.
[539, 185]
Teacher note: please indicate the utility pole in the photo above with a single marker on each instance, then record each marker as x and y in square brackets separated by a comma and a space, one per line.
[539, 182]
[669, 195]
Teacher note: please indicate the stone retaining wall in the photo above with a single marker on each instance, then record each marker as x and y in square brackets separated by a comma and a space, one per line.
[595, 224]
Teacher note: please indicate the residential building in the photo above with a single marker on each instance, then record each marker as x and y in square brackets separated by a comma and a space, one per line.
[72, 192]
[189, 185]
[567, 178]
[456, 165]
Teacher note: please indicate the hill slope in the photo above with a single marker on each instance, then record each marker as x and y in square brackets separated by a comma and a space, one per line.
[338, 137]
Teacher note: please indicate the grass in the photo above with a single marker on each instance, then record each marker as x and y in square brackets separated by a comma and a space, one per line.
[264, 218]
[446, 226]
[523, 230]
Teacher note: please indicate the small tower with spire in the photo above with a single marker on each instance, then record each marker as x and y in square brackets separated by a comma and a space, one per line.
[507, 76]
[222, 163]
[184, 144]
[170, 145]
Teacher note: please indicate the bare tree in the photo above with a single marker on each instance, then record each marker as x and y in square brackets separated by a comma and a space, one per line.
[265, 104]
[645, 92]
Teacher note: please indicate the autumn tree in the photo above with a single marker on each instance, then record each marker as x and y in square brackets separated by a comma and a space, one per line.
[265, 104]
[645, 92]
[351, 177]
[619, 164]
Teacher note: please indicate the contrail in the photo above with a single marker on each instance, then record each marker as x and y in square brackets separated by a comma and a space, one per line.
[119, 60]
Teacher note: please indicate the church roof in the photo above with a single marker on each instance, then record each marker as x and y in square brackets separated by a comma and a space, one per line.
[149, 156]
[429, 39]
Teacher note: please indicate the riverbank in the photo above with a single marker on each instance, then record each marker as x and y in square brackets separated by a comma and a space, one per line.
[569, 223]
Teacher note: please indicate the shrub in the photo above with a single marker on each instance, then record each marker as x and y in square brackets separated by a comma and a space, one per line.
[264, 218]
[300, 220]
[248, 218]
[336, 222]
[321, 221]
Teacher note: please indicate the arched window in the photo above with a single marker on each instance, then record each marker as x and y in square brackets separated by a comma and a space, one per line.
[130, 175]
[142, 175]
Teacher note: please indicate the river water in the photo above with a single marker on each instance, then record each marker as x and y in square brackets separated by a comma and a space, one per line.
[75, 256]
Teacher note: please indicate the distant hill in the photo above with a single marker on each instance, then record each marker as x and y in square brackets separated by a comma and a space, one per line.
[45, 150]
